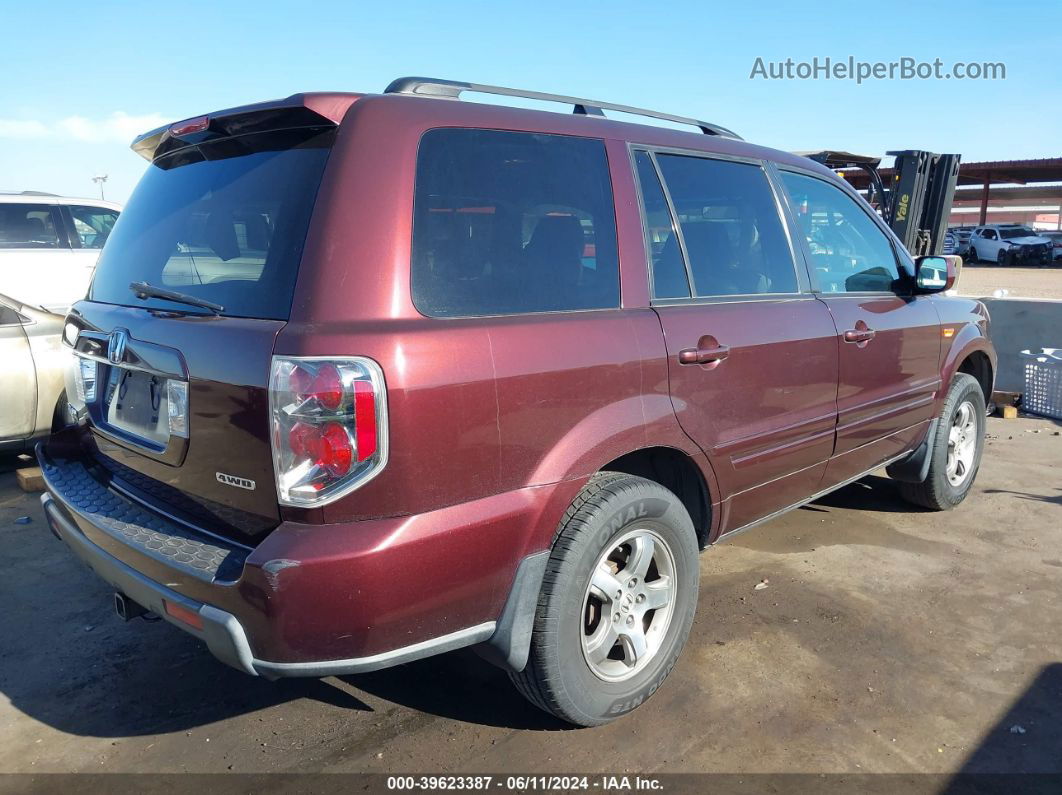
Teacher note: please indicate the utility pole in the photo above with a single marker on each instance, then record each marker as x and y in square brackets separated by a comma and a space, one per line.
[99, 179]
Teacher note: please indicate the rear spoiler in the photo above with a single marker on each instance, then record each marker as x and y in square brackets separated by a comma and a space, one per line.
[296, 111]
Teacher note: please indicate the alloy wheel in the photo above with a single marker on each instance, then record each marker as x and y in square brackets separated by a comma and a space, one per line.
[962, 444]
[628, 605]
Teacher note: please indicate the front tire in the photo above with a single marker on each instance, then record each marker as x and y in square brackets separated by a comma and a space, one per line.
[957, 448]
[971, 255]
[616, 604]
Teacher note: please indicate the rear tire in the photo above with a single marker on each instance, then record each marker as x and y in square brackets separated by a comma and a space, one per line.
[59, 420]
[616, 604]
[956, 454]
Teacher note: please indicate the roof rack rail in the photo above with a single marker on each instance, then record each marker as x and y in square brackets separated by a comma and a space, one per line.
[451, 89]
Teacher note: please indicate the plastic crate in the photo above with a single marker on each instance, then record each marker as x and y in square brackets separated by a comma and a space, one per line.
[1043, 382]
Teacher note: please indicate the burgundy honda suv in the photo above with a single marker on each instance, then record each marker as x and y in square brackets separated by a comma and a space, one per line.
[364, 378]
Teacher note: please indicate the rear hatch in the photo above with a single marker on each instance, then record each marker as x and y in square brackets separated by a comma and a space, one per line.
[173, 372]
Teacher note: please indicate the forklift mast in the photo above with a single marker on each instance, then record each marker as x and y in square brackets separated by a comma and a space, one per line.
[922, 190]
[917, 200]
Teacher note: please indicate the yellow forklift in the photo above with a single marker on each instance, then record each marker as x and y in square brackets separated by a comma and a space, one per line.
[915, 202]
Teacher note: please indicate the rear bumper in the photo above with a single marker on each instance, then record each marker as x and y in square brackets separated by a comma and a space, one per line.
[222, 632]
[314, 600]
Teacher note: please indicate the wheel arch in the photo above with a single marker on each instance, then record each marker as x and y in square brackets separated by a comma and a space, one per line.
[677, 472]
[971, 352]
[669, 467]
[979, 365]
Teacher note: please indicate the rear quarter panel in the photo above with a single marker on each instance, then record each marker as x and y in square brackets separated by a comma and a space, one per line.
[476, 406]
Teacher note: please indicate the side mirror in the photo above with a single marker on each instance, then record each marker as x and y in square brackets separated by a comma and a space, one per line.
[936, 274]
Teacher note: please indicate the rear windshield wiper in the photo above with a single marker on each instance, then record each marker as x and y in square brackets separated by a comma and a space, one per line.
[143, 290]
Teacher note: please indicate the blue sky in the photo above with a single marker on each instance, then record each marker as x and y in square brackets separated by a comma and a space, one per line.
[80, 80]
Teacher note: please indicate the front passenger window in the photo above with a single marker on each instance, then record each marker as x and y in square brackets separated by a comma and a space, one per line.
[93, 224]
[849, 253]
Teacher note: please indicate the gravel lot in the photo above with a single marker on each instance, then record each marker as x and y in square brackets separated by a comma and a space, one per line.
[984, 280]
[887, 640]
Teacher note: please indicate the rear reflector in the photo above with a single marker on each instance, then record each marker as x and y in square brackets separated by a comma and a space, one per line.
[183, 614]
[364, 419]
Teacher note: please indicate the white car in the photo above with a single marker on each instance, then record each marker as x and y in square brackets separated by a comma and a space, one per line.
[1009, 244]
[33, 364]
[49, 246]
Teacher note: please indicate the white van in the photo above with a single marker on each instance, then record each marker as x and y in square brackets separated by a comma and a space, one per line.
[49, 246]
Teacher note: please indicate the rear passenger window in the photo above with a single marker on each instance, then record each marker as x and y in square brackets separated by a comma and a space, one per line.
[849, 252]
[510, 223]
[27, 226]
[731, 226]
[668, 270]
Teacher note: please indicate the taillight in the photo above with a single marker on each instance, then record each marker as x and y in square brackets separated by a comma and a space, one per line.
[85, 379]
[329, 426]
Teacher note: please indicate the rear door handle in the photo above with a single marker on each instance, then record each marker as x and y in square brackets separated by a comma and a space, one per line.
[859, 335]
[703, 355]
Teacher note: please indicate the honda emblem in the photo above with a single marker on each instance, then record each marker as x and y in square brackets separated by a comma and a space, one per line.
[116, 343]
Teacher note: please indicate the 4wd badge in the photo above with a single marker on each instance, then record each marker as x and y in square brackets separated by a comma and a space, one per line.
[232, 480]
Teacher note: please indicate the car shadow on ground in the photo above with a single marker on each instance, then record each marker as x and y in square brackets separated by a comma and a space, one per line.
[871, 493]
[1028, 495]
[94, 675]
[135, 680]
[1027, 739]
[459, 686]
[11, 461]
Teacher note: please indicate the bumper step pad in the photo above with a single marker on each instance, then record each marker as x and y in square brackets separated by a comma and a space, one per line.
[131, 523]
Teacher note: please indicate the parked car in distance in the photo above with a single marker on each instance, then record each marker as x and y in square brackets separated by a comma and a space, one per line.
[1056, 243]
[1009, 244]
[49, 246]
[363, 378]
[951, 243]
[33, 364]
[962, 237]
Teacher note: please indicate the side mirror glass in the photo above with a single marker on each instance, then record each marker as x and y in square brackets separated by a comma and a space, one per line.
[936, 274]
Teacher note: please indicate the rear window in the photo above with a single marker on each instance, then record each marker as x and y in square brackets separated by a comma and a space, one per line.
[224, 221]
[511, 223]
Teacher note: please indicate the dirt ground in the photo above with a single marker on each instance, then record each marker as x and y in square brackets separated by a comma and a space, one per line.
[888, 640]
[983, 280]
